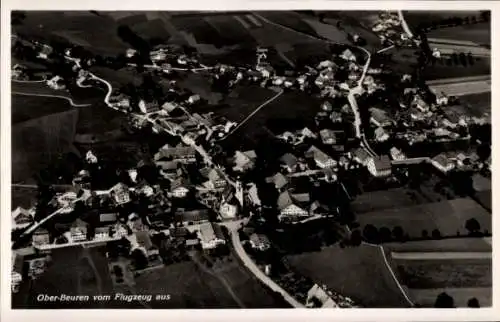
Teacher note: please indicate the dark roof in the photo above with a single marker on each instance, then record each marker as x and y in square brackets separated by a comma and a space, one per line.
[191, 215]
[108, 217]
[144, 239]
[383, 162]
[289, 159]
[279, 180]
[218, 231]
[178, 232]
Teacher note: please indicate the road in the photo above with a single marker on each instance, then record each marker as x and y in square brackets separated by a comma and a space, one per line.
[405, 26]
[54, 96]
[248, 262]
[253, 113]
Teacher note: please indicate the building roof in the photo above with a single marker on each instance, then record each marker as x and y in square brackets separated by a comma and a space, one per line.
[361, 154]
[173, 153]
[218, 231]
[327, 134]
[279, 180]
[382, 163]
[442, 159]
[289, 159]
[379, 115]
[144, 239]
[191, 215]
[318, 155]
[108, 217]
[259, 239]
[179, 182]
[286, 199]
[215, 174]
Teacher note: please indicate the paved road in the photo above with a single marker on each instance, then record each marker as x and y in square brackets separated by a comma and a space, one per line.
[405, 26]
[248, 262]
[54, 96]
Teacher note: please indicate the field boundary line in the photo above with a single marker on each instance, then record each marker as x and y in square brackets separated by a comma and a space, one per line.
[394, 277]
[54, 96]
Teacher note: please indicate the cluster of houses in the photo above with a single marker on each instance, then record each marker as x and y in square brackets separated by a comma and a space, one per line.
[321, 297]
[389, 30]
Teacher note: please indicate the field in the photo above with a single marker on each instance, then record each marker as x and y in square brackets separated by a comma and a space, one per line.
[99, 118]
[415, 17]
[23, 197]
[477, 104]
[482, 66]
[291, 20]
[25, 108]
[447, 216]
[445, 273]
[188, 286]
[96, 33]
[359, 273]
[427, 297]
[380, 200]
[118, 78]
[479, 33]
[463, 88]
[73, 271]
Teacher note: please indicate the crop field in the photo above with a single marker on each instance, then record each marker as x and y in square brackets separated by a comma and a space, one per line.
[188, 286]
[118, 78]
[359, 273]
[231, 30]
[477, 104]
[151, 29]
[478, 33]
[447, 216]
[99, 118]
[461, 295]
[463, 88]
[447, 48]
[73, 271]
[440, 70]
[97, 33]
[444, 273]
[380, 200]
[201, 30]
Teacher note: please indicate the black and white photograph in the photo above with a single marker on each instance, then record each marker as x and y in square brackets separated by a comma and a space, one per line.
[251, 159]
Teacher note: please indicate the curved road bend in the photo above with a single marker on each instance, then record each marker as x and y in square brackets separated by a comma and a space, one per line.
[405, 26]
[54, 96]
[235, 238]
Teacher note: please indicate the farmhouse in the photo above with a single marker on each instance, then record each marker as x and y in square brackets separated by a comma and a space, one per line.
[182, 154]
[21, 218]
[291, 207]
[120, 194]
[380, 166]
[191, 217]
[289, 162]
[379, 117]
[361, 156]
[278, 180]
[40, 237]
[209, 234]
[321, 159]
[259, 242]
[179, 187]
[244, 160]
[318, 298]
[78, 230]
[148, 107]
[442, 163]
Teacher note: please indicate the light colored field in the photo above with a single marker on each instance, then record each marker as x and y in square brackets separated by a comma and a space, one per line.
[444, 245]
[427, 297]
[465, 88]
[383, 199]
[459, 79]
[448, 49]
[452, 41]
[440, 255]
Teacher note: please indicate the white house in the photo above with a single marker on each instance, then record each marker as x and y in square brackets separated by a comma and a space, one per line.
[442, 163]
[321, 159]
[56, 83]
[348, 55]
[380, 166]
[228, 210]
[290, 208]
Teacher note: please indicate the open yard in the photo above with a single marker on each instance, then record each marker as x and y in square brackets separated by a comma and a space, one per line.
[427, 297]
[444, 245]
[448, 217]
[359, 273]
[477, 105]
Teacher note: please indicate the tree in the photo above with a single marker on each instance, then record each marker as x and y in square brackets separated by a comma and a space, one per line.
[436, 234]
[472, 226]
[425, 234]
[443, 300]
[384, 234]
[355, 238]
[473, 302]
[139, 259]
[371, 233]
[454, 58]
[398, 233]
[463, 59]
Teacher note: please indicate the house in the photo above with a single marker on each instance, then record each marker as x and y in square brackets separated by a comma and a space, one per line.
[44, 52]
[130, 53]
[442, 163]
[228, 210]
[380, 166]
[101, 233]
[290, 207]
[278, 180]
[328, 136]
[420, 104]
[379, 117]
[148, 107]
[179, 187]
[183, 154]
[289, 162]
[158, 55]
[17, 271]
[381, 135]
[244, 160]
[40, 237]
[191, 217]
[361, 156]
[321, 159]
[21, 218]
[336, 117]
[441, 99]
[216, 179]
[397, 154]
[108, 218]
[56, 82]
[210, 235]
[317, 297]
[319, 208]
[253, 195]
[78, 230]
[193, 99]
[348, 55]
[259, 242]
[120, 194]
[144, 241]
